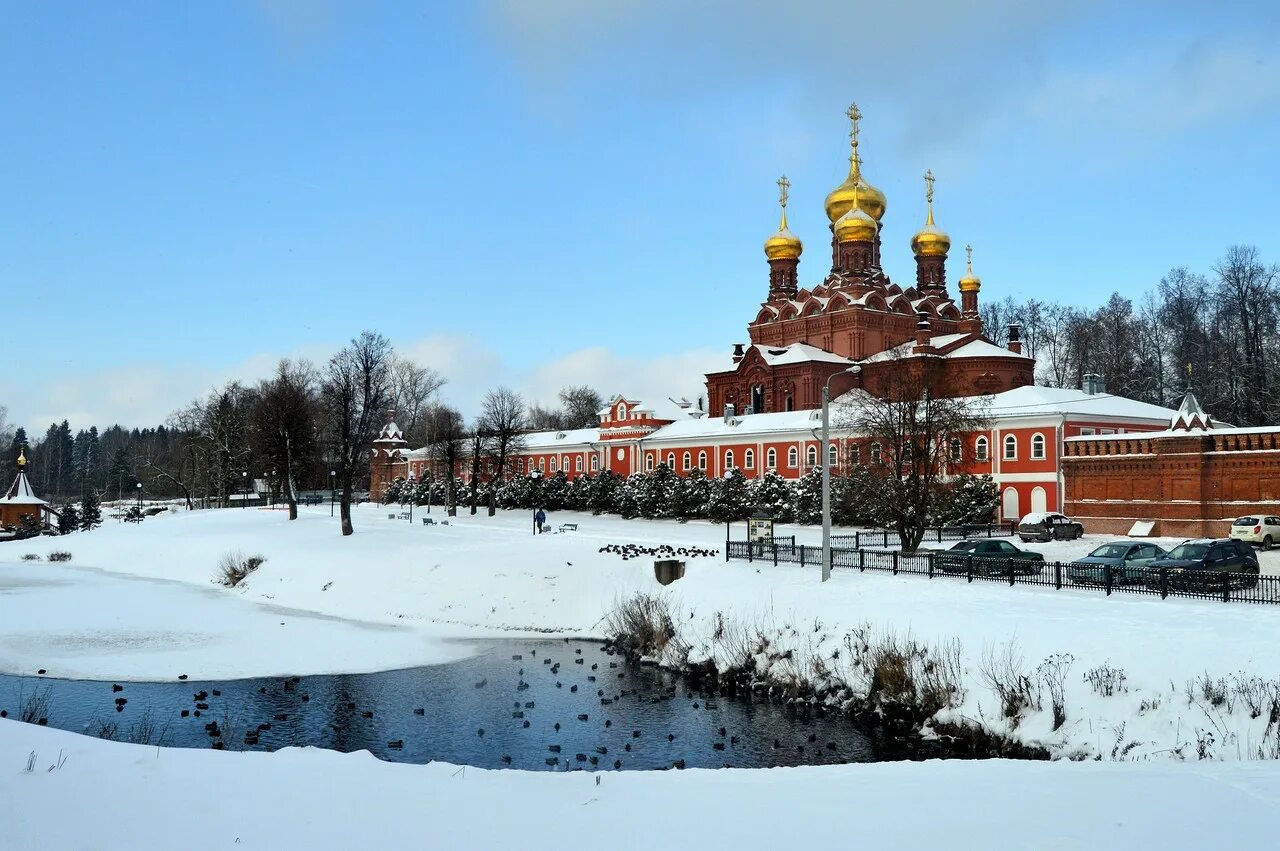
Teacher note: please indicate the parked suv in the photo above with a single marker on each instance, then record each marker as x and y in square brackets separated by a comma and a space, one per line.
[1200, 565]
[1047, 526]
[1259, 529]
[988, 557]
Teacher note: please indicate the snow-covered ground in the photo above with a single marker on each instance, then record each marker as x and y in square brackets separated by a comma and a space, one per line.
[138, 601]
[113, 795]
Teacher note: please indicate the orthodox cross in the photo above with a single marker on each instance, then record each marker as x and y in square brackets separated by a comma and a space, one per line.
[968, 255]
[928, 185]
[854, 117]
[783, 186]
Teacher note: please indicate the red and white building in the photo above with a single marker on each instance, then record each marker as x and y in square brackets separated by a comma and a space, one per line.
[766, 398]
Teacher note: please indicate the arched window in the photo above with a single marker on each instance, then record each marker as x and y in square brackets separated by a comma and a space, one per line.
[1037, 450]
[648, 462]
[688, 461]
[749, 459]
[793, 457]
[622, 411]
[577, 465]
[702, 461]
[1010, 448]
[542, 464]
[728, 459]
[953, 447]
[553, 464]
[564, 463]
[771, 459]
[908, 452]
[811, 456]
[877, 457]
[833, 456]
[980, 449]
[595, 463]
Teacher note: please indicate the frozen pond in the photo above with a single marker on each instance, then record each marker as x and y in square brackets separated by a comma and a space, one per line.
[536, 705]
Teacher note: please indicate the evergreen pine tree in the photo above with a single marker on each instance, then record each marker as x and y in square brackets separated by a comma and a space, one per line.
[730, 498]
[90, 510]
[775, 495]
[808, 497]
[68, 518]
[695, 497]
[28, 527]
[555, 493]
[631, 496]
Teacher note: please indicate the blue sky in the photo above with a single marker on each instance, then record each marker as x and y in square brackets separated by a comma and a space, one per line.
[575, 190]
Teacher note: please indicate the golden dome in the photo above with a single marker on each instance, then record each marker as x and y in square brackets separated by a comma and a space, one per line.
[856, 226]
[783, 245]
[930, 240]
[22, 458]
[870, 199]
[970, 283]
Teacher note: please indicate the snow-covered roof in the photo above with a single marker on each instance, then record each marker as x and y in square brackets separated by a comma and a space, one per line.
[799, 353]
[781, 421]
[20, 492]
[1190, 415]
[974, 348]
[556, 439]
[391, 433]
[1032, 400]
[660, 408]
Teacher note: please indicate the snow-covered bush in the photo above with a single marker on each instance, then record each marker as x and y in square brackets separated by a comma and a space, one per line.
[234, 566]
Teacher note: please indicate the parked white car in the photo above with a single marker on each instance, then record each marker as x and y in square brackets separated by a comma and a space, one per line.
[1260, 529]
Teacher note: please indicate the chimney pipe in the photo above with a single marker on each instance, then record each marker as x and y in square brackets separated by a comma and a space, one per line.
[923, 332]
[728, 413]
[1015, 338]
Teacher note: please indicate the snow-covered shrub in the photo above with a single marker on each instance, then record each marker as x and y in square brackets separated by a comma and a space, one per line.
[1053, 676]
[59, 555]
[1106, 681]
[966, 499]
[643, 624]
[1005, 673]
[234, 566]
[31, 557]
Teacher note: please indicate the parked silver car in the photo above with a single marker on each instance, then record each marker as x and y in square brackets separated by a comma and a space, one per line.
[1128, 561]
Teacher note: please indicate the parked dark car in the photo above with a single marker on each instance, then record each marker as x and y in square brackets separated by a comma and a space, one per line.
[988, 557]
[1201, 565]
[1047, 526]
[1128, 561]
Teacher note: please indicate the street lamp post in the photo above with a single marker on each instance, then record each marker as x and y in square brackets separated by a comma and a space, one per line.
[412, 496]
[826, 471]
[275, 487]
[333, 490]
[244, 489]
[139, 488]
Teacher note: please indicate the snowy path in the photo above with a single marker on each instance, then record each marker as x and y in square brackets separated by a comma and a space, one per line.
[144, 797]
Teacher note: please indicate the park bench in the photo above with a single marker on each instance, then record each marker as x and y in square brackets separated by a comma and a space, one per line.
[568, 527]
[427, 521]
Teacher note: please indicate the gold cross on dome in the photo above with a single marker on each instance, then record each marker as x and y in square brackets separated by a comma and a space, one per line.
[854, 117]
[968, 254]
[783, 186]
[928, 185]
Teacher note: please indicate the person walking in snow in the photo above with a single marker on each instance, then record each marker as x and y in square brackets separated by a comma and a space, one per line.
[538, 520]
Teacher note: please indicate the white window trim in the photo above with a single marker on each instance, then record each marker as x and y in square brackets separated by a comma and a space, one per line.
[728, 460]
[671, 461]
[702, 461]
[687, 461]
[749, 459]
[1043, 447]
[1005, 443]
[793, 457]
[811, 456]
[982, 448]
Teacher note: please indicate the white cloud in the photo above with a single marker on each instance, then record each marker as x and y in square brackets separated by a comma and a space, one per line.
[145, 394]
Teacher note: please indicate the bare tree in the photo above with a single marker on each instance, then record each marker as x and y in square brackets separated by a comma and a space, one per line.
[285, 425]
[356, 389]
[445, 449]
[222, 421]
[911, 414]
[503, 422]
[581, 406]
[413, 387]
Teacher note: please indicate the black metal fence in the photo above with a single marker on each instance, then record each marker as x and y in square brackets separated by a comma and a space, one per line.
[1162, 582]
[883, 537]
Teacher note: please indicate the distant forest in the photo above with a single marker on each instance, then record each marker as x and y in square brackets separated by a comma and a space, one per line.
[1215, 330]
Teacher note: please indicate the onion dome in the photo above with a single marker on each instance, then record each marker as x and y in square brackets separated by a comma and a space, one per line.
[870, 199]
[970, 283]
[930, 240]
[783, 245]
[856, 225]
[22, 458]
